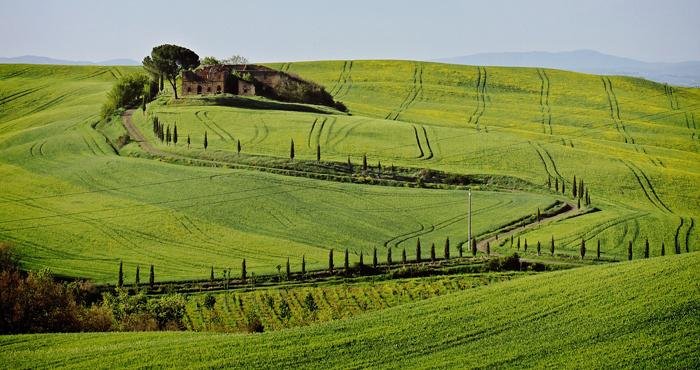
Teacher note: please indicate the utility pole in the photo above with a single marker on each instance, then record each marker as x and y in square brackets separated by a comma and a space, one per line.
[469, 221]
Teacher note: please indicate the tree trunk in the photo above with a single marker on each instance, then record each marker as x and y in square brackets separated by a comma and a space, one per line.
[172, 83]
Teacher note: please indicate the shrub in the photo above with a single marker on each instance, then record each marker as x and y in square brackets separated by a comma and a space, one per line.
[127, 92]
[209, 301]
[253, 323]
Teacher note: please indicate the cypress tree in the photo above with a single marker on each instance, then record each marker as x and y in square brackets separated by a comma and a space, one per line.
[206, 142]
[188, 141]
[549, 182]
[432, 252]
[598, 250]
[318, 152]
[646, 248]
[573, 187]
[460, 249]
[663, 249]
[330, 261]
[511, 241]
[238, 146]
[175, 134]
[563, 188]
[167, 135]
[418, 250]
[120, 280]
[403, 256]
[556, 184]
[583, 248]
[291, 150]
[288, 270]
[364, 162]
[349, 164]
[538, 214]
[588, 198]
[525, 249]
[488, 248]
[374, 258]
[379, 168]
[518, 243]
[388, 256]
[629, 251]
[347, 261]
[244, 272]
[580, 188]
[578, 203]
[137, 281]
[551, 247]
[303, 264]
[152, 277]
[362, 260]
[211, 276]
[539, 248]
[473, 247]
[447, 248]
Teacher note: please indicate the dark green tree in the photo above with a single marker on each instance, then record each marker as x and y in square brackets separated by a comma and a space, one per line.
[188, 141]
[556, 184]
[573, 187]
[318, 152]
[152, 277]
[388, 256]
[578, 203]
[310, 303]
[663, 249]
[169, 61]
[646, 248]
[374, 258]
[303, 264]
[175, 134]
[211, 275]
[551, 247]
[120, 281]
[447, 248]
[473, 245]
[511, 241]
[583, 248]
[404, 260]
[629, 251]
[538, 214]
[347, 261]
[539, 248]
[168, 137]
[244, 272]
[418, 259]
[288, 270]
[597, 254]
[488, 248]
[291, 150]
[588, 198]
[460, 249]
[518, 243]
[364, 162]
[349, 164]
[238, 146]
[330, 261]
[580, 188]
[525, 247]
[137, 281]
[563, 188]
[362, 260]
[206, 142]
[549, 182]
[432, 252]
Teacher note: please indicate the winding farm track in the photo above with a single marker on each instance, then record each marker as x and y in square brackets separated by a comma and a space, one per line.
[415, 92]
[545, 109]
[481, 79]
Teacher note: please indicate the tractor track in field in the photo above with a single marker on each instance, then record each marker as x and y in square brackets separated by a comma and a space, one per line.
[672, 99]
[688, 232]
[320, 131]
[98, 72]
[545, 109]
[213, 123]
[48, 104]
[311, 130]
[481, 97]
[413, 94]
[342, 134]
[200, 116]
[647, 187]
[615, 111]
[286, 66]
[676, 238]
[420, 148]
[427, 143]
[344, 83]
[336, 86]
[19, 94]
[551, 167]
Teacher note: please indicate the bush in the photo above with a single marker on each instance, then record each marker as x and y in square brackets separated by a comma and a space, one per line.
[209, 301]
[253, 323]
[127, 92]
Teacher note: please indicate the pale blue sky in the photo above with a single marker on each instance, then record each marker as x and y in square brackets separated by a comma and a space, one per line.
[650, 30]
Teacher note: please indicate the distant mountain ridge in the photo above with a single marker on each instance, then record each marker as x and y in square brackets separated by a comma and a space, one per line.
[589, 61]
[35, 59]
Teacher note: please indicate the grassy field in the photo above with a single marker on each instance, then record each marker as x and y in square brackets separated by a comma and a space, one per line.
[73, 205]
[627, 315]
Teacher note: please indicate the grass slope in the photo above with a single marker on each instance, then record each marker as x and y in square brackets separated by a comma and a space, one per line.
[628, 315]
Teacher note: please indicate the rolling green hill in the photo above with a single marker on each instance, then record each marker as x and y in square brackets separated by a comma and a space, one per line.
[641, 313]
[77, 204]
